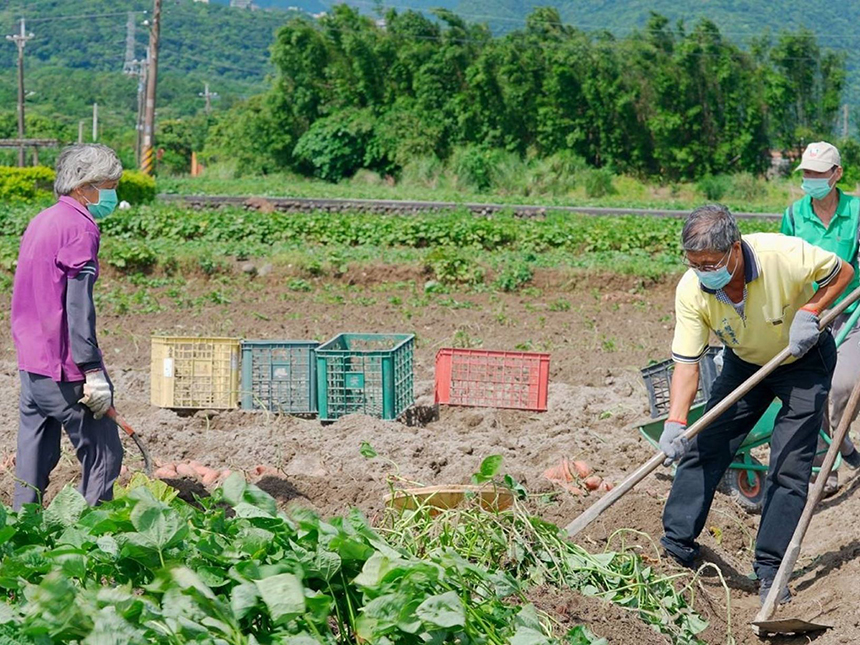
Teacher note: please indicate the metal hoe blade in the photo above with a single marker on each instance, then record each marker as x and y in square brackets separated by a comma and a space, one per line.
[788, 626]
[147, 461]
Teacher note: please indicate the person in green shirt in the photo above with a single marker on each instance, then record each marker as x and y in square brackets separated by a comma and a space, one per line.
[830, 219]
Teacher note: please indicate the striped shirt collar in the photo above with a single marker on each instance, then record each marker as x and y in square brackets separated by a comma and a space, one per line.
[751, 267]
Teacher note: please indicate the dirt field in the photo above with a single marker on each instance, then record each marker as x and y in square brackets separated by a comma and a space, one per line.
[611, 327]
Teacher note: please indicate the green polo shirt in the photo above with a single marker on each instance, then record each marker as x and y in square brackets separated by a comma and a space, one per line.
[840, 237]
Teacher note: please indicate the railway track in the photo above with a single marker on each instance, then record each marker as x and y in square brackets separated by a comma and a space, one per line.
[404, 207]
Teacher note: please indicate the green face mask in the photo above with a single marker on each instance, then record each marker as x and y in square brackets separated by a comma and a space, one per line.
[106, 204]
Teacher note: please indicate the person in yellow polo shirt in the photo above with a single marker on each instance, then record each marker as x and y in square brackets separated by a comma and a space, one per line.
[758, 295]
[829, 218]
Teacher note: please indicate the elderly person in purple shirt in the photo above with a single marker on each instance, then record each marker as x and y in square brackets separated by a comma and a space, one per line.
[63, 379]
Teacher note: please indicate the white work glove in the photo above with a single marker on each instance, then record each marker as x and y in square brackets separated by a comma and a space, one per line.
[97, 395]
[672, 441]
[803, 333]
[719, 359]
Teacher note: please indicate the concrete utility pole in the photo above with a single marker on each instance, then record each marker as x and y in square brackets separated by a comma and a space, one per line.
[20, 39]
[146, 156]
[95, 122]
[845, 121]
[130, 65]
[141, 106]
[206, 94]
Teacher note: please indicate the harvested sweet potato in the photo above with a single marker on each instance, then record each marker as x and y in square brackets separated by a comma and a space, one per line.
[582, 469]
[593, 482]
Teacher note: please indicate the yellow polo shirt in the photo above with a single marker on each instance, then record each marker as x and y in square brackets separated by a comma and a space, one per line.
[780, 273]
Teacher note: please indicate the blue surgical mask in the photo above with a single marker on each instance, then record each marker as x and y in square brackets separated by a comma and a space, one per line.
[818, 188]
[714, 279]
[718, 278]
[106, 204]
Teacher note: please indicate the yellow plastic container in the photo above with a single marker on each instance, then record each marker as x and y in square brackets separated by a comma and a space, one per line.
[195, 372]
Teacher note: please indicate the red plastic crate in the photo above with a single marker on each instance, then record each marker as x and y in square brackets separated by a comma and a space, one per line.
[487, 379]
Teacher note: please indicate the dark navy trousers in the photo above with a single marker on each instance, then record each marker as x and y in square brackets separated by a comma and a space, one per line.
[802, 388]
[46, 408]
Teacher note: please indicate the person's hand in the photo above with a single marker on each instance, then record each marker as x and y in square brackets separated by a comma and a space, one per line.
[672, 441]
[804, 332]
[97, 395]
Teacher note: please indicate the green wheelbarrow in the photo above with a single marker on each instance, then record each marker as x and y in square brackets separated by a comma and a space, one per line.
[744, 480]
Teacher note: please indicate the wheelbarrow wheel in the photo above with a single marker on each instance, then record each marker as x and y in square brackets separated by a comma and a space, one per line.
[736, 484]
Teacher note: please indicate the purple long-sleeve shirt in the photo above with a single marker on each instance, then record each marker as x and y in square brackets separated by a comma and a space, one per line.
[58, 257]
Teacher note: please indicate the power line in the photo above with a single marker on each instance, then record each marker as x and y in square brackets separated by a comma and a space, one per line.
[84, 16]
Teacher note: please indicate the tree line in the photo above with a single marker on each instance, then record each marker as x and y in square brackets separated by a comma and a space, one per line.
[355, 92]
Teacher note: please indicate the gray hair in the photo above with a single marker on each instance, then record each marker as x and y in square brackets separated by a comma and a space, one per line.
[710, 228]
[85, 163]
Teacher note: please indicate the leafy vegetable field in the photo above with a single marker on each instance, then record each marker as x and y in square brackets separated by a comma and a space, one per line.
[149, 567]
[173, 239]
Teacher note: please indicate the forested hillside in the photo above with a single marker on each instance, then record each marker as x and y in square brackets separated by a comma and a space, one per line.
[349, 91]
[76, 59]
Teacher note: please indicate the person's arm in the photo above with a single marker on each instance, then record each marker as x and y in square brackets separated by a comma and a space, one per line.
[81, 319]
[682, 392]
[786, 227]
[830, 288]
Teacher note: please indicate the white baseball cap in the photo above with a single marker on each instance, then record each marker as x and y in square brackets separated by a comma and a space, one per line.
[820, 156]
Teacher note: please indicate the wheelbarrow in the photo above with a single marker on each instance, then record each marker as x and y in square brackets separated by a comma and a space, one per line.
[744, 480]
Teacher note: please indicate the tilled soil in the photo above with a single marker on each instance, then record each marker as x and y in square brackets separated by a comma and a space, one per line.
[599, 331]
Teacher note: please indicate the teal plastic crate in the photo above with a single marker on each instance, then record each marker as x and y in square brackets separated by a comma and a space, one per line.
[365, 373]
[279, 376]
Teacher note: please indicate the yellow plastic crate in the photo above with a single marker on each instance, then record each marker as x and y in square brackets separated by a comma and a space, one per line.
[195, 373]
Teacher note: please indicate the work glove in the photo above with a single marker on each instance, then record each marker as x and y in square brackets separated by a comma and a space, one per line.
[719, 359]
[803, 333]
[672, 441]
[97, 395]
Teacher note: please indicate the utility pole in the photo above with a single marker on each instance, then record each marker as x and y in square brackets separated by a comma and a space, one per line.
[141, 106]
[80, 131]
[95, 122]
[146, 156]
[20, 39]
[845, 121]
[206, 94]
[131, 63]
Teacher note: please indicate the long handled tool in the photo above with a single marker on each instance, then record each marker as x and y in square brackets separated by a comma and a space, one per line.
[595, 510]
[147, 462]
[793, 625]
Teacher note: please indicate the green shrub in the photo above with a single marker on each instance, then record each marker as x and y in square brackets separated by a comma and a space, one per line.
[598, 183]
[25, 184]
[473, 168]
[555, 175]
[136, 188]
[335, 147]
[422, 171]
[714, 187]
[514, 276]
[130, 257]
[746, 187]
[451, 266]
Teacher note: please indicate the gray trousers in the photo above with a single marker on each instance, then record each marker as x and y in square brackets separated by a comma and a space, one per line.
[46, 407]
[845, 376]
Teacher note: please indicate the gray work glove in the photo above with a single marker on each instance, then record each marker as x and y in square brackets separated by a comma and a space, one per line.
[672, 441]
[97, 395]
[803, 333]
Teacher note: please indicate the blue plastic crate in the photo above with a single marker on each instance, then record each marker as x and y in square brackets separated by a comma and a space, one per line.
[365, 373]
[279, 376]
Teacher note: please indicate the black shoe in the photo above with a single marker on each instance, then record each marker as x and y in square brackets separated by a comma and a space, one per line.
[679, 561]
[852, 460]
[764, 590]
